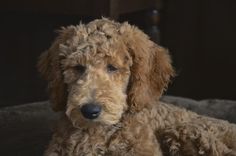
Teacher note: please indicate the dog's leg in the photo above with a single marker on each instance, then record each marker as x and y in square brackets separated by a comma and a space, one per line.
[134, 139]
[192, 140]
[62, 142]
[55, 147]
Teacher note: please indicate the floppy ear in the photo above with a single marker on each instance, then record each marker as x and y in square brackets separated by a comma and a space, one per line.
[50, 68]
[150, 72]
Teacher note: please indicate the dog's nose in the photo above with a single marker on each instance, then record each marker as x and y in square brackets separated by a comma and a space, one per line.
[91, 110]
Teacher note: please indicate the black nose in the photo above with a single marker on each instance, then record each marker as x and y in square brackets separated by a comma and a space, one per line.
[91, 110]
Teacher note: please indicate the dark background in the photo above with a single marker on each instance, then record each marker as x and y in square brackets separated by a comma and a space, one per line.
[200, 35]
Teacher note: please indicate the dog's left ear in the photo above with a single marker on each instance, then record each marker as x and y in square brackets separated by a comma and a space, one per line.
[151, 70]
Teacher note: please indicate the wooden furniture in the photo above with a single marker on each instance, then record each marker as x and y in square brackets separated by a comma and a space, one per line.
[27, 29]
[94, 8]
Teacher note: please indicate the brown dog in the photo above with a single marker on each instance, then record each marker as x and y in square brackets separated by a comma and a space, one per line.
[106, 78]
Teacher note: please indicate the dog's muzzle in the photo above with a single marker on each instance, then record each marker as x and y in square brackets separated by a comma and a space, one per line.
[91, 110]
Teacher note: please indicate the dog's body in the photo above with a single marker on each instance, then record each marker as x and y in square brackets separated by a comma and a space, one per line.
[162, 130]
[107, 78]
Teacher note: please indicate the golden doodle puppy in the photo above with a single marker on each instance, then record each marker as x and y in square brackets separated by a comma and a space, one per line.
[106, 78]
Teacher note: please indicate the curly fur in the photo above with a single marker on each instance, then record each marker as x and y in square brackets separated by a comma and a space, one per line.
[133, 122]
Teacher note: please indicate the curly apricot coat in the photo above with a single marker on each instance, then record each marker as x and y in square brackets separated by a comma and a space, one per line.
[115, 67]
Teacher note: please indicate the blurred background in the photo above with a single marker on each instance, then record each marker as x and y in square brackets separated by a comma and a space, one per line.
[200, 34]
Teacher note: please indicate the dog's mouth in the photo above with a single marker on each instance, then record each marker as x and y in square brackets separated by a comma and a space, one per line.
[93, 112]
[83, 118]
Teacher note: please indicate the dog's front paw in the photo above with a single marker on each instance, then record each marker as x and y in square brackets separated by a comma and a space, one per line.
[184, 140]
[191, 140]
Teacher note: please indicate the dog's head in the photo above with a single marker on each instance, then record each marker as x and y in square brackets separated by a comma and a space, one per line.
[98, 71]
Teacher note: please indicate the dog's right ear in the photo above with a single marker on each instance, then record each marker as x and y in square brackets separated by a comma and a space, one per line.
[49, 67]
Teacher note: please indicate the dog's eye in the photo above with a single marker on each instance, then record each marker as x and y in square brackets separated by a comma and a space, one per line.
[111, 68]
[80, 68]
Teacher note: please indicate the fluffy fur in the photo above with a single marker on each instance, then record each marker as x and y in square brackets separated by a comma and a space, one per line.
[116, 65]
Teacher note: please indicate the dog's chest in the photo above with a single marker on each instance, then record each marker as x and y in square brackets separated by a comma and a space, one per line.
[90, 145]
[101, 146]
[92, 142]
[112, 143]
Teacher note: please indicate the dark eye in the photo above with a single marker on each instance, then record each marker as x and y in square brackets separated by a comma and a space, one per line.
[80, 68]
[111, 68]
